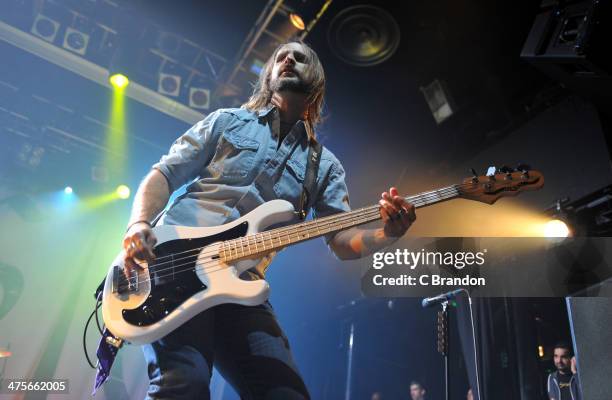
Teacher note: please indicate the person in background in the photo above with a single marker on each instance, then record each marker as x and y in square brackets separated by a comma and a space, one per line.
[563, 384]
[417, 391]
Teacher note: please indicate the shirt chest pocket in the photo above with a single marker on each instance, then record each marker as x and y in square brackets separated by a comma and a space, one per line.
[289, 185]
[235, 156]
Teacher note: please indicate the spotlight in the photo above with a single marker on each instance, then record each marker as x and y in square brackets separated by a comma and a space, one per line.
[119, 81]
[123, 191]
[541, 351]
[297, 21]
[556, 228]
[68, 190]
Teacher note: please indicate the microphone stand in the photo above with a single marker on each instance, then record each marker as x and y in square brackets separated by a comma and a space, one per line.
[444, 336]
[443, 345]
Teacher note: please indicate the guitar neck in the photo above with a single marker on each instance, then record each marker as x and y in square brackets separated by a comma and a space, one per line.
[275, 239]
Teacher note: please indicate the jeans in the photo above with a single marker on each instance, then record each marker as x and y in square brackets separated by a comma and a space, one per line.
[246, 345]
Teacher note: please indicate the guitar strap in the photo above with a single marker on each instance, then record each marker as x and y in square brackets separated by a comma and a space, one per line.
[265, 176]
[312, 169]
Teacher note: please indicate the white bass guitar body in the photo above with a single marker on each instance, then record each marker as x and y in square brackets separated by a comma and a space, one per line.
[189, 275]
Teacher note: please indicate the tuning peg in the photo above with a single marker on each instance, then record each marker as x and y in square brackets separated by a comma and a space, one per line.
[507, 171]
[523, 167]
[474, 175]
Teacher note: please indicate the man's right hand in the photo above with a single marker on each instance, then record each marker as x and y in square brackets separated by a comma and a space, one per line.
[138, 244]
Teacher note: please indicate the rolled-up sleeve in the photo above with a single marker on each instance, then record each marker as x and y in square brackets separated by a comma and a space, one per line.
[191, 152]
[334, 198]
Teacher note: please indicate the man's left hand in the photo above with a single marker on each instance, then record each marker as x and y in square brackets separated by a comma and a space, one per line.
[397, 214]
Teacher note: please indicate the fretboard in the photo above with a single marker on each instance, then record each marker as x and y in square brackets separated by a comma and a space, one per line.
[265, 242]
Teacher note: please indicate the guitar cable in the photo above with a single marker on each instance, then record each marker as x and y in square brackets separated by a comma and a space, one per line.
[94, 312]
[474, 343]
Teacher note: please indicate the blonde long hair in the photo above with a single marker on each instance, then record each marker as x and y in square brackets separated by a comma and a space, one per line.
[262, 94]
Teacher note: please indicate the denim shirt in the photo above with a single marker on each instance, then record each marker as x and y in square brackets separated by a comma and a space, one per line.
[224, 154]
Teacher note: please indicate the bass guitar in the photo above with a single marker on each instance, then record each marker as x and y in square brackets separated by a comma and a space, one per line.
[196, 268]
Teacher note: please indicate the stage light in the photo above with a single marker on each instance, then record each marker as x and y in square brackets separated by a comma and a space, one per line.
[116, 137]
[76, 41]
[119, 81]
[68, 190]
[297, 21]
[439, 100]
[30, 155]
[123, 191]
[541, 351]
[199, 97]
[169, 84]
[45, 28]
[257, 66]
[556, 228]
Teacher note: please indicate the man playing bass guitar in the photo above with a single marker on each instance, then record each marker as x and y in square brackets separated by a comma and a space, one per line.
[238, 159]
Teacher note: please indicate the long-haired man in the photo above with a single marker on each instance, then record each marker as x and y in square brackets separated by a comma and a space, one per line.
[237, 159]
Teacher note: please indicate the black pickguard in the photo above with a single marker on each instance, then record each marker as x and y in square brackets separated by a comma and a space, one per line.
[169, 291]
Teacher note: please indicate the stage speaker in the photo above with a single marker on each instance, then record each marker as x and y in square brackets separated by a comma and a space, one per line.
[363, 35]
[45, 28]
[590, 321]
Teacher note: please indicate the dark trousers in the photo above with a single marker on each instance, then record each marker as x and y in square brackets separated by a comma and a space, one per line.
[246, 345]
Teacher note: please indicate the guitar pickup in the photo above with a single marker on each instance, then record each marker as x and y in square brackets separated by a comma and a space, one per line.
[133, 281]
[122, 288]
[116, 275]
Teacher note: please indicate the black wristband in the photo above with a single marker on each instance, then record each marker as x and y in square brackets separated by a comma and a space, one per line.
[137, 222]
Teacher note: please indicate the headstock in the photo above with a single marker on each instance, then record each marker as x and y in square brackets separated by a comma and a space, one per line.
[500, 182]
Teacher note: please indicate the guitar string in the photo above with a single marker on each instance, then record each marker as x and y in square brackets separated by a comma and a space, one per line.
[366, 212]
[208, 270]
[424, 194]
[364, 217]
[415, 198]
[306, 225]
[240, 241]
